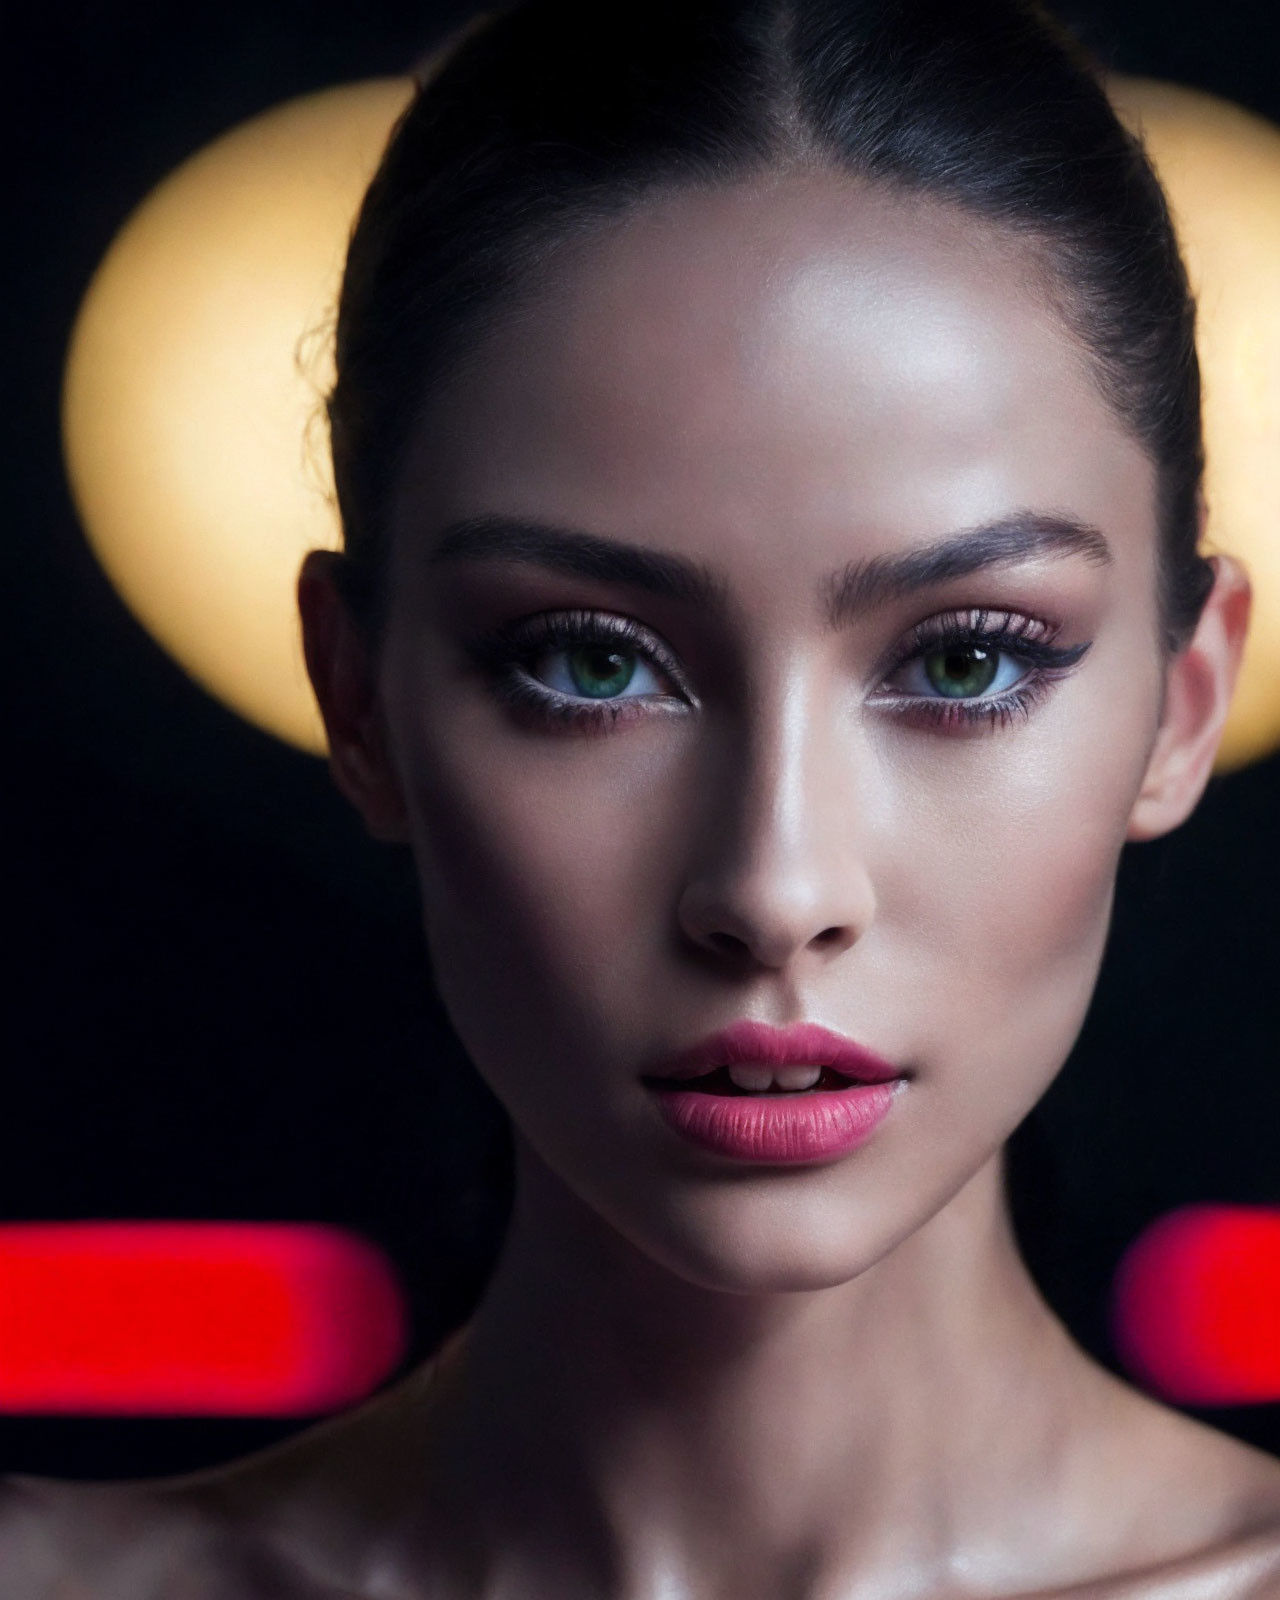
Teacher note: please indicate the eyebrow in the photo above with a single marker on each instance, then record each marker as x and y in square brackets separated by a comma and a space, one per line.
[858, 587]
[1021, 536]
[584, 555]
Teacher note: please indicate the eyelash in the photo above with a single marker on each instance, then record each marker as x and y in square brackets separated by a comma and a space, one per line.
[1023, 639]
[507, 655]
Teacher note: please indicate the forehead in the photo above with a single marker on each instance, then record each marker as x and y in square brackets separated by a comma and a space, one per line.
[800, 360]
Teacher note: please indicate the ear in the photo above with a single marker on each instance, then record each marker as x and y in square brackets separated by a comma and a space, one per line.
[340, 666]
[1198, 688]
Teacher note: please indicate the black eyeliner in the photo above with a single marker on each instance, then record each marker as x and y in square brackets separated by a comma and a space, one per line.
[1007, 633]
[507, 654]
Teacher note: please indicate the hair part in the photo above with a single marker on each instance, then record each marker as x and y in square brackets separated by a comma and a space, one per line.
[555, 117]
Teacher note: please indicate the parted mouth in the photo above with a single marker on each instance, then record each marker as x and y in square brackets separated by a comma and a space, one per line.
[757, 1058]
[755, 1077]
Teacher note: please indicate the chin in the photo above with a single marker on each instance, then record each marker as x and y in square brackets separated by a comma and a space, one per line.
[765, 1236]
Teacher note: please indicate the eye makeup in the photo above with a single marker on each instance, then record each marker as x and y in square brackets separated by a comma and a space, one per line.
[510, 658]
[975, 647]
[559, 668]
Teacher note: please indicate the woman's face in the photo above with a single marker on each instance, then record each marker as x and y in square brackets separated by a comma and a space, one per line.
[729, 708]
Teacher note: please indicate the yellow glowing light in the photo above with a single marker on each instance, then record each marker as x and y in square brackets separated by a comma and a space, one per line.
[1220, 166]
[194, 388]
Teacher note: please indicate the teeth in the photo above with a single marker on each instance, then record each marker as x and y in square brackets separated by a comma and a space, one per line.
[796, 1077]
[758, 1076]
[751, 1075]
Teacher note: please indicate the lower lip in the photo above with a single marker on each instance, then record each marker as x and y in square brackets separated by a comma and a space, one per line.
[779, 1129]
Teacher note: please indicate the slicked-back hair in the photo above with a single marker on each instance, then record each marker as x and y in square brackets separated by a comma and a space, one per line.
[555, 116]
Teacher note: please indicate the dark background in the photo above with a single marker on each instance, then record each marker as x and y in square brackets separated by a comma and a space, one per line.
[217, 1001]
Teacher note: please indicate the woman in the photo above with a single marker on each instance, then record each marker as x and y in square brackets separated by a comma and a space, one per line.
[768, 443]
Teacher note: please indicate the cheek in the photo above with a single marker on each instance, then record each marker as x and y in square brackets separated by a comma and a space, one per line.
[550, 868]
[1001, 910]
[540, 859]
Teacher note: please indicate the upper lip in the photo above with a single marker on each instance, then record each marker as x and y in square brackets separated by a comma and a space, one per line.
[801, 1043]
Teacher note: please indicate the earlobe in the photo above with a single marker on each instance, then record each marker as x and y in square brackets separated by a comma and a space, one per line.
[1198, 689]
[341, 672]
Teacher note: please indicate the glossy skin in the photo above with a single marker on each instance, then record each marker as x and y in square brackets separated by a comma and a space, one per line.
[730, 380]
[694, 1378]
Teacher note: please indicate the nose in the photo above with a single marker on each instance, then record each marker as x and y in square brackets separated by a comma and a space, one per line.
[780, 870]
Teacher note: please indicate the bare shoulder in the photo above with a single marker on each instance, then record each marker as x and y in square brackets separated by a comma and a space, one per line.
[1209, 1503]
[292, 1522]
[135, 1542]
[1252, 1561]
[1244, 1567]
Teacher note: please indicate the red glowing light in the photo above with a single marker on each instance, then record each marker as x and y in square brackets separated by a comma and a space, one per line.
[193, 1318]
[1197, 1306]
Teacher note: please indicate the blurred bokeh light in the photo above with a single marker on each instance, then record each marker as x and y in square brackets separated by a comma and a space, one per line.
[192, 404]
[193, 398]
[1196, 1309]
[1220, 166]
[193, 1318]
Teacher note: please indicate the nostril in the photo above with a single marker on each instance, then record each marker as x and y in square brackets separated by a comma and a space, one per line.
[829, 937]
[727, 943]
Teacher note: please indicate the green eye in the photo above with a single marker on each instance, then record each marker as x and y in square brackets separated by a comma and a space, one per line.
[599, 671]
[963, 671]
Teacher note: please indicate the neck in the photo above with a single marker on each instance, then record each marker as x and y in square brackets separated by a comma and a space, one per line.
[655, 1437]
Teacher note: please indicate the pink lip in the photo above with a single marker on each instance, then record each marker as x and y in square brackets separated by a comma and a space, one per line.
[798, 1045]
[777, 1129]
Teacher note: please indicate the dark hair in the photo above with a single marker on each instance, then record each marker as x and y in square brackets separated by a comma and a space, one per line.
[557, 115]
